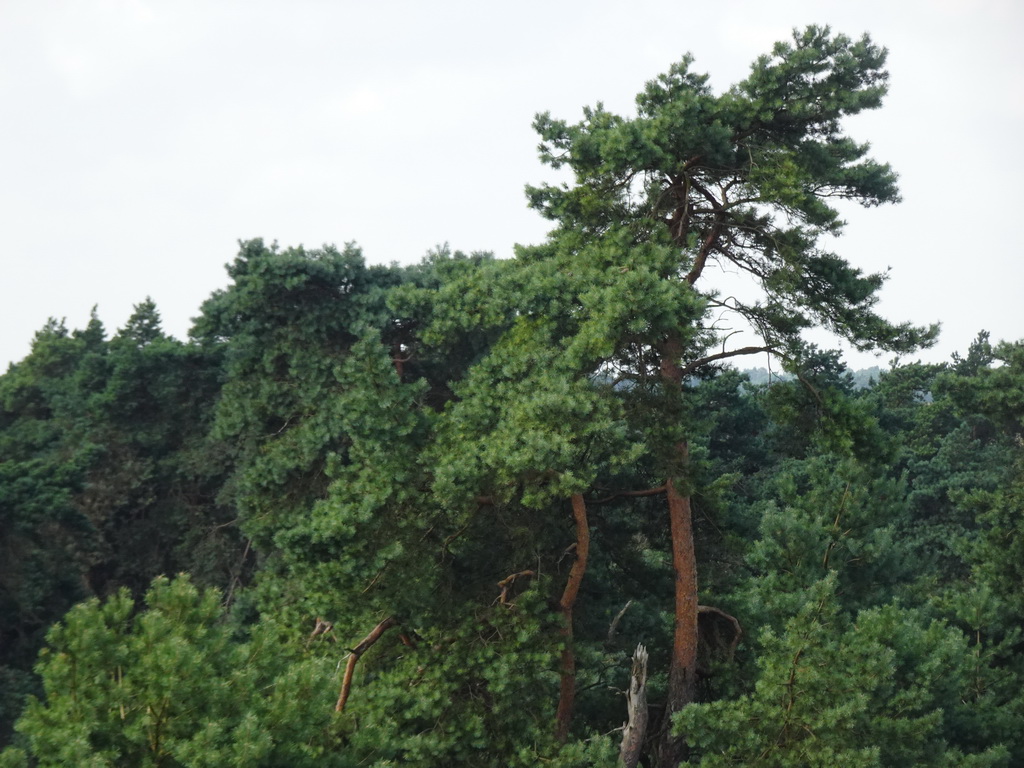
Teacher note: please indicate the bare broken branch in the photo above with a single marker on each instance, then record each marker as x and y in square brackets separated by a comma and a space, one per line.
[614, 626]
[355, 653]
[322, 627]
[508, 581]
[691, 367]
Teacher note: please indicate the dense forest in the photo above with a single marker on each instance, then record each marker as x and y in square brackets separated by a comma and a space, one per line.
[528, 511]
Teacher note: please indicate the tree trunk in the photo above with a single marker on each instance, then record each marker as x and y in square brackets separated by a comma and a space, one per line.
[682, 677]
[567, 687]
[682, 673]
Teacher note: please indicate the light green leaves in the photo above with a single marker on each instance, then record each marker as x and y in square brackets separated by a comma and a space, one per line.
[171, 685]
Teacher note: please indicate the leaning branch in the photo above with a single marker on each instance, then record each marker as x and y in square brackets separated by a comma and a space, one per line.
[691, 367]
[718, 206]
[614, 626]
[705, 250]
[628, 494]
[355, 653]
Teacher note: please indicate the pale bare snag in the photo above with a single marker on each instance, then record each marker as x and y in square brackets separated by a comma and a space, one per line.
[635, 729]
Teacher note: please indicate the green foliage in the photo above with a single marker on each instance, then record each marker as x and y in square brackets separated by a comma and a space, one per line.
[955, 438]
[741, 180]
[285, 324]
[481, 694]
[171, 686]
[340, 444]
[872, 692]
[371, 534]
[816, 411]
[822, 516]
[106, 479]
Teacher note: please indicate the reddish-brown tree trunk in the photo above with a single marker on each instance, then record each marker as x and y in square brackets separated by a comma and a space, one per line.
[683, 671]
[567, 688]
[682, 677]
[682, 674]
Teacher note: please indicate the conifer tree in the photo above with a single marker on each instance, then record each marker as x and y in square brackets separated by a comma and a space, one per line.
[743, 180]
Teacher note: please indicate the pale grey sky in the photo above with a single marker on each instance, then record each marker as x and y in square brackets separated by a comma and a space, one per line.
[141, 139]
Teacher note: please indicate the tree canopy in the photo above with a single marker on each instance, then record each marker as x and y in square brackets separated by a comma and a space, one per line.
[425, 515]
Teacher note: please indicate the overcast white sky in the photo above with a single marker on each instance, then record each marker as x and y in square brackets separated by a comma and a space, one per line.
[141, 139]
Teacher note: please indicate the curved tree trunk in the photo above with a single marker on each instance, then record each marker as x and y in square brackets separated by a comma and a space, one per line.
[567, 687]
